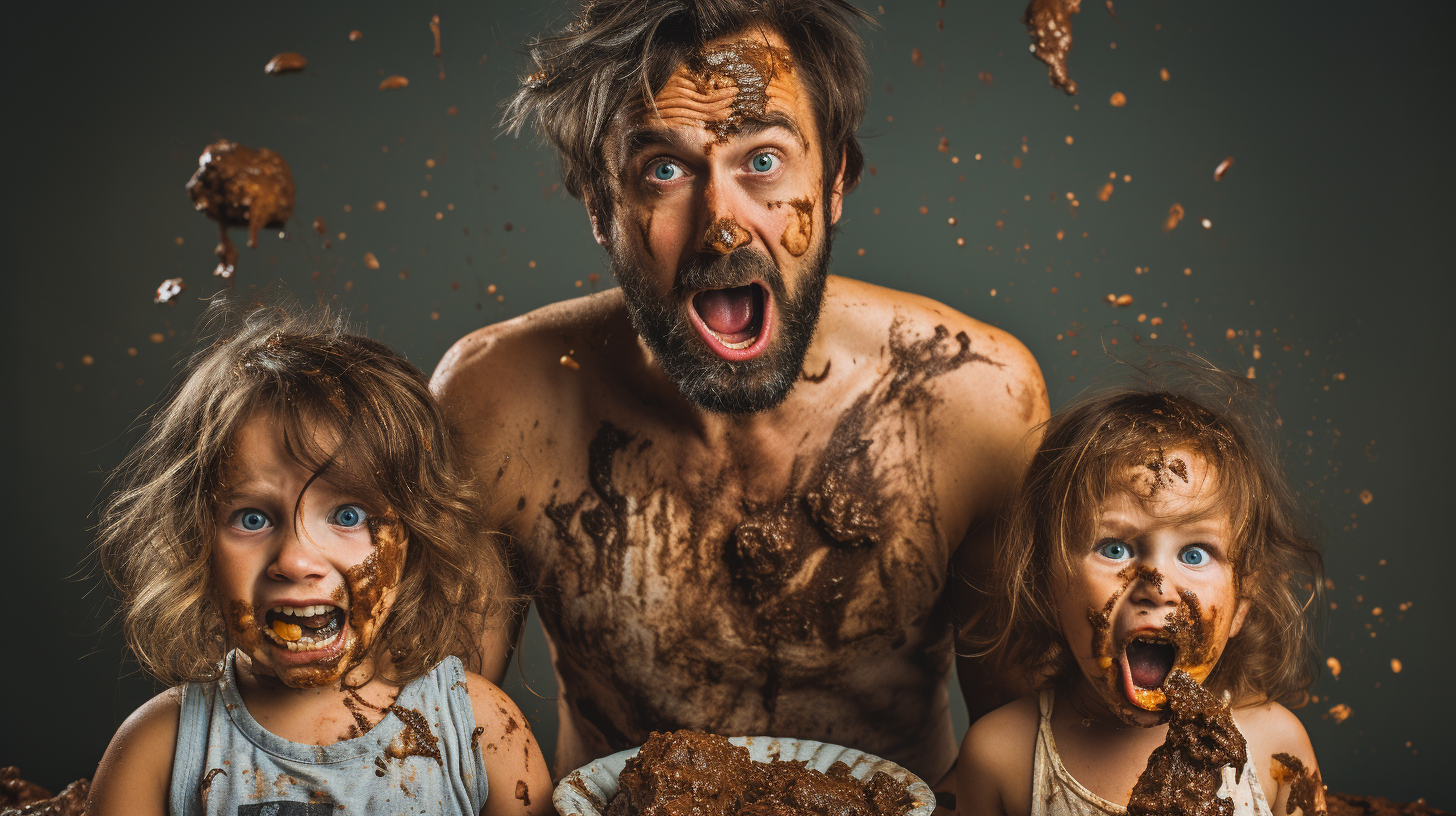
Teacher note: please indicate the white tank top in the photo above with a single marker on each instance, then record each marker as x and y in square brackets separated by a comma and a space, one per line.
[1055, 792]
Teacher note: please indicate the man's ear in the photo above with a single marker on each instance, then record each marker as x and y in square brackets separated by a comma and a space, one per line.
[599, 232]
[836, 196]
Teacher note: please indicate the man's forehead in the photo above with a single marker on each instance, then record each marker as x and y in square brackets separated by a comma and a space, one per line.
[734, 85]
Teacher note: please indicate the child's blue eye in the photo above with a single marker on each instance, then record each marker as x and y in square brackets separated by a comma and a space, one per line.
[252, 520]
[1116, 550]
[764, 162]
[666, 171]
[349, 515]
[1194, 556]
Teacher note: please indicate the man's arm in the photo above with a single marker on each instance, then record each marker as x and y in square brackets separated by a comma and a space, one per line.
[1012, 409]
[473, 408]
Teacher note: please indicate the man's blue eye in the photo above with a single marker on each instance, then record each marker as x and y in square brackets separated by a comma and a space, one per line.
[764, 162]
[1116, 550]
[349, 515]
[666, 171]
[252, 520]
[1194, 556]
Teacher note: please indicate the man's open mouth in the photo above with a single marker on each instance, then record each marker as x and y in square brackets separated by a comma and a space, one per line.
[304, 628]
[1147, 660]
[734, 322]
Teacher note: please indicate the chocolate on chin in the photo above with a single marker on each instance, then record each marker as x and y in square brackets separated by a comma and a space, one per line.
[691, 772]
[240, 187]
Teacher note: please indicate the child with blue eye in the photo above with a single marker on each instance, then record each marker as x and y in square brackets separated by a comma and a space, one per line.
[1155, 556]
[298, 555]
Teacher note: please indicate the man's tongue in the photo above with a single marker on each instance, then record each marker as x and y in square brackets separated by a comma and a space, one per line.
[728, 312]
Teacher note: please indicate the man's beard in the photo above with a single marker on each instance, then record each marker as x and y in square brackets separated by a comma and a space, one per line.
[707, 380]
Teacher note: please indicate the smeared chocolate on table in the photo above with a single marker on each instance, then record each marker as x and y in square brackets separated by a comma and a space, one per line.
[1184, 774]
[692, 773]
[240, 187]
[1049, 22]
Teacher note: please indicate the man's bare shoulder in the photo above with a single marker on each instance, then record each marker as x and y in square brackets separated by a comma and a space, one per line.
[531, 356]
[998, 394]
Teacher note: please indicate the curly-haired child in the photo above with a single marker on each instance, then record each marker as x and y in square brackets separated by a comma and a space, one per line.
[1155, 560]
[297, 553]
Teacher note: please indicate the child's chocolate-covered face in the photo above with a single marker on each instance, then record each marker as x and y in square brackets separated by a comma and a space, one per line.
[302, 594]
[1155, 589]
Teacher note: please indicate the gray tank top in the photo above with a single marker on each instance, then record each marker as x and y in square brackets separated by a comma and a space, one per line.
[227, 763]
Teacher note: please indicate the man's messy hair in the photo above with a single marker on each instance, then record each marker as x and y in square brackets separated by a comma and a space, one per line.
[607, 65]
[1083, 460]
[351, 411]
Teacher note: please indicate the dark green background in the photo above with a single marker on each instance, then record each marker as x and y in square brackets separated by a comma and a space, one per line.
[1327, 251]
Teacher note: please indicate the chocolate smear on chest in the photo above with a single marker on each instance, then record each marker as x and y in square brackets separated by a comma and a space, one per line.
[848, 552]
[1049, 22]
[240, 187]
[1184, 774]
[748, 66]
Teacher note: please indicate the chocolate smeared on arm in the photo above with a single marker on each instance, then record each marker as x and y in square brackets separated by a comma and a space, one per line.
[240, 187]
[1049, 22]
[1306, 790]
[1185, 773]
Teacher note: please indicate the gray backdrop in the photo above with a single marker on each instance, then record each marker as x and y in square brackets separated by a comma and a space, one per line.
[1324, 260]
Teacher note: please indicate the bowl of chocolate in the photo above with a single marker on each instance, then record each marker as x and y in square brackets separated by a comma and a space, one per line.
[690, 773]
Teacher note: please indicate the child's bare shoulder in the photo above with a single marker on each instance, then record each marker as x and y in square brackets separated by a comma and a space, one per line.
[494, 709]
[520, 781]
[994, 770]
[136, 770]
[1271, 731]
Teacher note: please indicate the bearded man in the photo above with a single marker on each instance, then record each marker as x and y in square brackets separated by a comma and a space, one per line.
[742, 491]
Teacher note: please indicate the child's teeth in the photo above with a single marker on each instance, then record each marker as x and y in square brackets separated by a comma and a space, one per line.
[302, 611]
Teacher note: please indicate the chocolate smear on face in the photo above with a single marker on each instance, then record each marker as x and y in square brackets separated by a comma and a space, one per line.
[724, 235]
[1184, 774]
[1049, 22]
[800, 230]
[747, 65]
[1306, 790]
[240, 187]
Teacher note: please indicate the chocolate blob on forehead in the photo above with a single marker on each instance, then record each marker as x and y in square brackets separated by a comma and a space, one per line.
[749, 66]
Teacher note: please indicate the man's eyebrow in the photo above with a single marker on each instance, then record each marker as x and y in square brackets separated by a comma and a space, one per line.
[773, 119]
[646, 137]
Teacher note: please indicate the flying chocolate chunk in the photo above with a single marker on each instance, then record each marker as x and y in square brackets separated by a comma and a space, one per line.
[1049, 22]
[239, 187]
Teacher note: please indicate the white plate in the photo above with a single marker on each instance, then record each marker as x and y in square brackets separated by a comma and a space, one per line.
[587, 790]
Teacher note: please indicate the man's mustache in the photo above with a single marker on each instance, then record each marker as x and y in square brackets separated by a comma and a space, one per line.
[740, 267]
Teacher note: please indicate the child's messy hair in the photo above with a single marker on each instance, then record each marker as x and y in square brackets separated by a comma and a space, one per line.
[351, 411]
[1083, 459]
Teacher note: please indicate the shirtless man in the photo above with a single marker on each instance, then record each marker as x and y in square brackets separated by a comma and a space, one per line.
[739, 487]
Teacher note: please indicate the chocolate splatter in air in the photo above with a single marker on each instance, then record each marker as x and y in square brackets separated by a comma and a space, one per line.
[240, 187]
[1184, 774]
[286, 63]
[749, 66]
[1049, 22]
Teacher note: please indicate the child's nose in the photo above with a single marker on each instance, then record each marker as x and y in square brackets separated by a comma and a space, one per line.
[298, 557]
[1150, 586]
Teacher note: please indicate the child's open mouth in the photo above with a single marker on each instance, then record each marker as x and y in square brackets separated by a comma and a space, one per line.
[1147, 660]
[304, 628]
[734, 322]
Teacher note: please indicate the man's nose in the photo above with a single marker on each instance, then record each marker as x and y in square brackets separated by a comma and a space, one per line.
[722, 233]
[298, 558]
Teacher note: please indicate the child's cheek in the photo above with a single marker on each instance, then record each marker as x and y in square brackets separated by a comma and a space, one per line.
[371, 583]
[242, 626]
